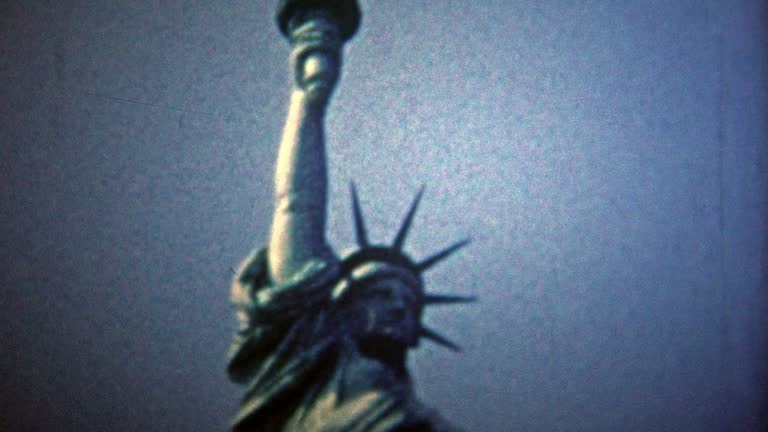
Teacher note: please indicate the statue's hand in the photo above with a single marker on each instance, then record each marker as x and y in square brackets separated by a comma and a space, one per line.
[317, 72]
[316, 56]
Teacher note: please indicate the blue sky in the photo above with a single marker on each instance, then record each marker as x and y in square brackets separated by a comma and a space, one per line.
[607, 159]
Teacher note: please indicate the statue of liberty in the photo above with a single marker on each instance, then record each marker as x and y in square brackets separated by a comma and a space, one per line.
[323, 340]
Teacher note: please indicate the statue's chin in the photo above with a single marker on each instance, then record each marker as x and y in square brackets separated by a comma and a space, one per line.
[389, 341]
[384, 348]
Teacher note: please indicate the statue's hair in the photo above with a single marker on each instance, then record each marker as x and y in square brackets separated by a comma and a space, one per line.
[320, 281]
[371, 262]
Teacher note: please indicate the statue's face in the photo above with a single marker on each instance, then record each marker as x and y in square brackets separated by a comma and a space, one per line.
[388, 308]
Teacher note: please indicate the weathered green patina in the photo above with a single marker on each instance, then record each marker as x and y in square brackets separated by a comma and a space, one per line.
[323, 341]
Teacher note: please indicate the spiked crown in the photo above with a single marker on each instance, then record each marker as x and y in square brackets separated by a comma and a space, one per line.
[378, 261]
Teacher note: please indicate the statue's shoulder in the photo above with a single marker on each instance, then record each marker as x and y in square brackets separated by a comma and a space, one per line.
[272, 314]
[254, 291]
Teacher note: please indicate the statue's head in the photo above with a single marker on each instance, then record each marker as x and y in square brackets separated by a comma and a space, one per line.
[382, 292]
[384, 302]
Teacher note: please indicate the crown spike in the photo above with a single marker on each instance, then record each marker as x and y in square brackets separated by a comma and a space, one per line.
[441, 299]
[360, 231]
[403, 232]
[439, 339]
[445, 253]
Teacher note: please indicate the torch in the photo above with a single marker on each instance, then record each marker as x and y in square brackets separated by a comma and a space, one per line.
[317, 30]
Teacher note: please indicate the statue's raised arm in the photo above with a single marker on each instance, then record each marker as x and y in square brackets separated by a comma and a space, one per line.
[316, 31]
[323, 341]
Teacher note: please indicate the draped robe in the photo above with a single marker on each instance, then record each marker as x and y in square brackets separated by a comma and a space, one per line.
[304, 370]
